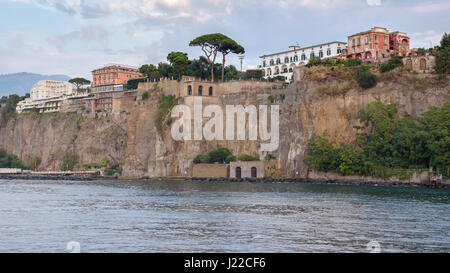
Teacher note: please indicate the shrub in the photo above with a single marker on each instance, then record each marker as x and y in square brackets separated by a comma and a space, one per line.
[393, 63]
[246, 157]
[10, 161]
[352, 62]
[271, 98]
[314, 61]
[230, 158]
[70, 161]
[133, 83]
[33, 162]
[145, 95]
[365, 78]
[220, 155]
[201, 159]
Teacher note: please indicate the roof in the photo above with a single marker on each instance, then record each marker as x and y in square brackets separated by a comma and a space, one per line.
[374, 29]
[119, 66]
[303, 48]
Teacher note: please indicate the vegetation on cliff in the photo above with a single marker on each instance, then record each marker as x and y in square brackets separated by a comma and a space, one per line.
[8, 105]
[443, 55]
[388, 145]
[166, 104]
[10, 161]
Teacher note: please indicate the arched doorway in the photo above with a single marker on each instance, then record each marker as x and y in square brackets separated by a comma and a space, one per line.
[189, 90]
[408, 65]
[423, 64]
[238, 172]
[200, 90]
[210, 91]
[254, 172]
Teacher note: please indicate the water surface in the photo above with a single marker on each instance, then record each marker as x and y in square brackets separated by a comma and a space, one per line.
[178, 216]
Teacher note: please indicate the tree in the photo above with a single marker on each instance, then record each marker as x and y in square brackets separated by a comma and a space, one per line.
[443, 55]
[199, 68]
[150, 71]
[227, 46]
[165, 69]
[210, 44]
[79, 82]
[179, 62]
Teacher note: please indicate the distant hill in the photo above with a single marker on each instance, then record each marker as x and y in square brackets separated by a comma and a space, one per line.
[21, 83]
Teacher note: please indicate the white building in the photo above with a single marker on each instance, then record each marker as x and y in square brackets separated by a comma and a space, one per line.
[49, 89]
[283, 63]
[48, 96]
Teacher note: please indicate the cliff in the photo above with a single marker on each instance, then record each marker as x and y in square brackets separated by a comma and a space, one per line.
[320, 99]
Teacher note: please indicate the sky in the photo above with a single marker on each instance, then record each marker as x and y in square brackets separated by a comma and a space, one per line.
[74, 37]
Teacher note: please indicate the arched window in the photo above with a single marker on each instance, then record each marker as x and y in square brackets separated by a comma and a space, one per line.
[278, 61]
[339, 51]
[200, 90]
[328, 51]
[264, 64]
[286, 60]
[210, 91]
[238, 172]
[271, 62]
[295, 58]
[303, 57]
[254, 172]
[320, 54]
[312, 55]
[189, 90]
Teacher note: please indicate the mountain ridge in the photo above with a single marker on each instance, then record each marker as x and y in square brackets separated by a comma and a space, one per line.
[20, 83]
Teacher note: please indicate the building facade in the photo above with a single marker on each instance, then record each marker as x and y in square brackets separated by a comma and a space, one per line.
[112, 77]
[49, 89]
[377, 45]
[283, 63]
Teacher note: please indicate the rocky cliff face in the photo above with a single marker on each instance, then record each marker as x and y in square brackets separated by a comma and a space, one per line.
[321, 99]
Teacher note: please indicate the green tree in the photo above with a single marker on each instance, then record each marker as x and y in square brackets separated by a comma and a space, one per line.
[227, 46]
[199, 68]
[165, 69]
[150, 71]
[210, 45]
[365, 78]
[179, 62]
[79, 82]
[443, 55]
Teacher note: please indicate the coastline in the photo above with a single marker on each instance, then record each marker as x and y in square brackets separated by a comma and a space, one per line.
[310, 181]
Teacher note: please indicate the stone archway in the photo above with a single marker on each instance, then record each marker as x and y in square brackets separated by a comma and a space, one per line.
[423, 64]
[238, 172]
[254, 172]
[408, 64]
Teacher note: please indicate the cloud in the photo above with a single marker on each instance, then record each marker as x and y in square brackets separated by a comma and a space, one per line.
[89, 34]
[374, 2]
[426, 39]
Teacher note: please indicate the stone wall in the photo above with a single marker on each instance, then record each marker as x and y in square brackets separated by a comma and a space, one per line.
[422, 64]
[211, 170]
[246, 169]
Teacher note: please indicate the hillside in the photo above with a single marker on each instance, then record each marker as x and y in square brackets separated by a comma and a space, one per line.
[21, 83]
[321, 99]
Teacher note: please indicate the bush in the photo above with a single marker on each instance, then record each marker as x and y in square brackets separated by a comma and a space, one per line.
[230, 158]
[201, 159]
[314, 61]
[33, 162]
[145, 95]
[10, 161]
[220, 155]
[70, 161]
[353, 62]
[246, 157]
[393, 63]
[365, 78]
[134, 83]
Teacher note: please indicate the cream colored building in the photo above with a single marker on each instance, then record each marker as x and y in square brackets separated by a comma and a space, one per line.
[49, 89]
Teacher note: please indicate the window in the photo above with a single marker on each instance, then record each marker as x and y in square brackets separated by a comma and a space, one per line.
[271, 62]
[200, 90]
[295, 58]
[339, 51]
[238, 172]
[264, 64]
[328, 51]
[286, 60]
[353, 42]
[385, 40]
[359, 41]
[278, 61]
[190, 90]
[376, 38]
[210, 91]
[320, 54]
[367, 39]
[312, 55]
[367, 48]
[254, 172]
[303, 57]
